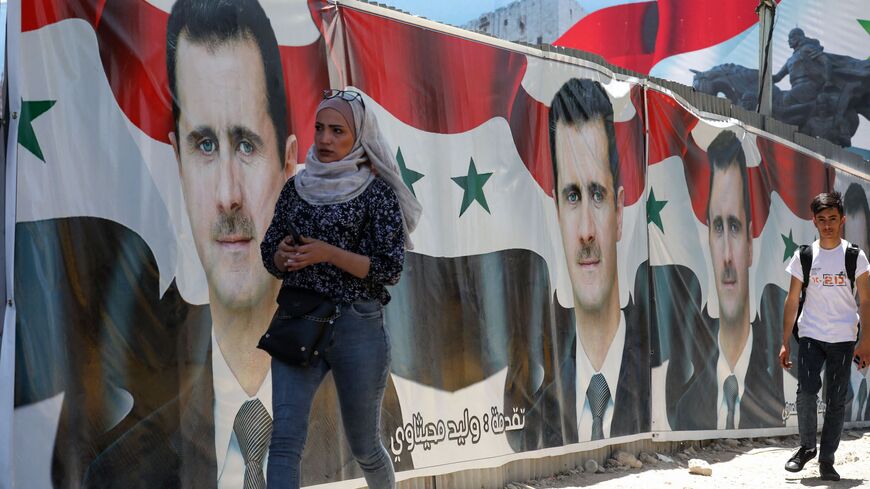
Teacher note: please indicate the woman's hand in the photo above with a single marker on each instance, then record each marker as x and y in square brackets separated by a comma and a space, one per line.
[286, 249]
[311, 252]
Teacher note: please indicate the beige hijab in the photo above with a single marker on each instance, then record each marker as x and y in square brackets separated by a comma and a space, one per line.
[340, 181]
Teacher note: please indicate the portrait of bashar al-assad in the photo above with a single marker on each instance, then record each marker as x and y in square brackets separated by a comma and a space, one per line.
[234, 151]
[590, 201]
[730, 233]
[735, 382]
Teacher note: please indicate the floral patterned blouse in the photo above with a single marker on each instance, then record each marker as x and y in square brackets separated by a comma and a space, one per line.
[369, 224]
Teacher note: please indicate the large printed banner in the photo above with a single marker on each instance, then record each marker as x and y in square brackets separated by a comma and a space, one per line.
[524, 324]
[732, 208]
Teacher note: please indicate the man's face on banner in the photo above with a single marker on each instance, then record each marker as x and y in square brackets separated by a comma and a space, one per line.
[730, 242]
[590, 211]
[231, 172]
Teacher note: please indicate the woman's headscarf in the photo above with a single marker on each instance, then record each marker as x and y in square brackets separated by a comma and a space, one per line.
[332, 183]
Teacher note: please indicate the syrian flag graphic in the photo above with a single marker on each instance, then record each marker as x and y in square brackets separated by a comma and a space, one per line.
[467, 121]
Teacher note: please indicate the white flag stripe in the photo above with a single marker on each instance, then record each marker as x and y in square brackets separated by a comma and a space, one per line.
[741, 49]
[706, 131]
[684, 240]
[34, 433]
[544, 77]
[92, 164]
[768, 266]
[521, 215]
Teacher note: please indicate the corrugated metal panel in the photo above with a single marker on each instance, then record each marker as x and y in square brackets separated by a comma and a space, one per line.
[537, 468]
[779, 128]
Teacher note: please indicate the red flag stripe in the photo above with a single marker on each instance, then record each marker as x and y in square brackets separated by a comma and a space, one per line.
[623, 35]
[690, 25]
[630, 144]
[639, 35]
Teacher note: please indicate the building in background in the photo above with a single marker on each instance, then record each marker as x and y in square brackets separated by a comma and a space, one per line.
[532, 21]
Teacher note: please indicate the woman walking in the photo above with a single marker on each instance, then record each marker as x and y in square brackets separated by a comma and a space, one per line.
[353, 215]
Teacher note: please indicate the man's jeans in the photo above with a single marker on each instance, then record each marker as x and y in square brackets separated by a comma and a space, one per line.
[837, 359]
[359, 357]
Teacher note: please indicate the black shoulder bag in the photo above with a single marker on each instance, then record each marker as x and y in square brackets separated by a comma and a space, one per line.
[302, 327]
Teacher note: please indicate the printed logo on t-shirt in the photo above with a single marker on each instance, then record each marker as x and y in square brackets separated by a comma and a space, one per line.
[828, 279]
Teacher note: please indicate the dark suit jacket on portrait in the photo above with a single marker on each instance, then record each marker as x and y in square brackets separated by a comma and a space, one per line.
[91, 325]
[551, 419]
[762, 401]
[692, 387]
[175, 448]
[850, 398]
[91, 320]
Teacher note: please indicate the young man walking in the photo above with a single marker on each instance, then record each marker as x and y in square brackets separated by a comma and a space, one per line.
[827, 332]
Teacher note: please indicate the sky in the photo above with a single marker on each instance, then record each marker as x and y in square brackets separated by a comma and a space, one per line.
[454, 12]
[458, 12]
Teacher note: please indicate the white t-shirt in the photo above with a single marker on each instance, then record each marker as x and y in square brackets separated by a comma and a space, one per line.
[830, 312]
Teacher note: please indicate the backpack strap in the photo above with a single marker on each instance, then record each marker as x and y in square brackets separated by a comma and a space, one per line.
[806, 255]
[852, 263]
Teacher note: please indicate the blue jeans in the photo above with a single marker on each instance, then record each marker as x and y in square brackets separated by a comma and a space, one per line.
[359, 357]
[837, 359]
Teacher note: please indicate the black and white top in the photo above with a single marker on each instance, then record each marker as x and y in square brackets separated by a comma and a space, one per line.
[369, 224]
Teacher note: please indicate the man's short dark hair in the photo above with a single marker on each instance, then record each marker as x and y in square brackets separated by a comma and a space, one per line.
[580, 101]
[212, 23]
[825, 201]
[726, 152]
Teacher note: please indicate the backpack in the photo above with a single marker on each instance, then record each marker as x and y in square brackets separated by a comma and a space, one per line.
[806, 256]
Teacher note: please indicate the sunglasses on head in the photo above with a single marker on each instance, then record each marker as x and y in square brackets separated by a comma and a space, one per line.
[347, 95]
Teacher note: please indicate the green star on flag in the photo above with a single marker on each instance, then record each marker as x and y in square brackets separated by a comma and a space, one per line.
[410, 177]
[472, 184]
[654, 210]
[790, 246]
[26, 135]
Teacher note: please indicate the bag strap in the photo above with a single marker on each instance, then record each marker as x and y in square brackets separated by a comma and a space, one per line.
[852, 263]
